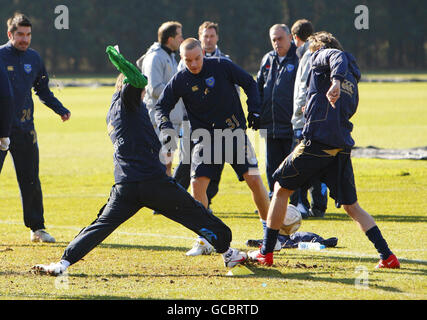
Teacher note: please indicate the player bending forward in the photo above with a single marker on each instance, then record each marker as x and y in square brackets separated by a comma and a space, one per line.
[140, 179]
[332, 99]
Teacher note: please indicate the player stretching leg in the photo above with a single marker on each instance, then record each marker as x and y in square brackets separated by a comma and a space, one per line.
[140, 180]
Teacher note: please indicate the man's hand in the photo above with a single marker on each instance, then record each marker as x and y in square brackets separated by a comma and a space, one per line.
[254, 120]
[4, 143]
[66, 116]
[334, 92]
[165, 124]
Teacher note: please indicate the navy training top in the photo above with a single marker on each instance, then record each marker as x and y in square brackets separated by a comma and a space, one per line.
[136, 145]
[210, 97]
[325, 124]
[26, 70]
[6, 103]
[276, 82]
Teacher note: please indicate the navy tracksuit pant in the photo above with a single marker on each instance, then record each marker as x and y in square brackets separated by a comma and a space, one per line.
[25, 154]
[164, 195]
[276, 151]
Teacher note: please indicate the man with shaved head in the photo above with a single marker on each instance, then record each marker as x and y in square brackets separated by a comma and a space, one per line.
[207, 88]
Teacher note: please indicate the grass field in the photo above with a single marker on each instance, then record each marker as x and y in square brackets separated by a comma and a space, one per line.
[145, 258]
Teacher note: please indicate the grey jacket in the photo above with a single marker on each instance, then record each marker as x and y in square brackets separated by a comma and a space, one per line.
[300, 88]
[159, 67]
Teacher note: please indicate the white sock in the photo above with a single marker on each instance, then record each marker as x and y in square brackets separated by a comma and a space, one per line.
[65, 264]
[264, 224]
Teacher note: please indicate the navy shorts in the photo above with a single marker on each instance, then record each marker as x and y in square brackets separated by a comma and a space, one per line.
[311, 160]
[208, 157]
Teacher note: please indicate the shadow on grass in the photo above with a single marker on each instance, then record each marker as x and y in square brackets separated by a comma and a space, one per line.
[331, 216]
[53, 296]
[378, 217]
[141, 247]
[340, 258]
[107, 245]
[315, 276]
[319, 277]
[239, 215]
[260, 272]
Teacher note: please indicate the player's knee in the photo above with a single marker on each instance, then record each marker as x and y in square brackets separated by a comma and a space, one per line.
[200, 184]
[351, 209]
[253, 181]
[280, 191]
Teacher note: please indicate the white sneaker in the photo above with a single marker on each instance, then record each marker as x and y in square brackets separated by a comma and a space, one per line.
[41, 236]
[257, 256]
[233, 257]
[201, 246]
[53, 269]
[278, 246]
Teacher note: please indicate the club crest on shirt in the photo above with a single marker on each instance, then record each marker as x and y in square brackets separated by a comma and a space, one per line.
[290, 67]
[27, 68]
[9, 68]
[210, 82]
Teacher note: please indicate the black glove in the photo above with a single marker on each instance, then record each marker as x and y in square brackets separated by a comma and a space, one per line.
[165, 124]
[254, 120]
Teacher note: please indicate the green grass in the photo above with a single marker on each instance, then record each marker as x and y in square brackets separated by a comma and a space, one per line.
[395, 74]
[145, 258]
[391, 115]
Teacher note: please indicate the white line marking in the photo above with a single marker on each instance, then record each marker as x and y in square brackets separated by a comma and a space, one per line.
[239, 242]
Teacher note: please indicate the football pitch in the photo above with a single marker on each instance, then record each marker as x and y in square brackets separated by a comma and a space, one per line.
[145, 257]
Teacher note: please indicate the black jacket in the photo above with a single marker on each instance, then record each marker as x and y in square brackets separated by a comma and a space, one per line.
[276, 86]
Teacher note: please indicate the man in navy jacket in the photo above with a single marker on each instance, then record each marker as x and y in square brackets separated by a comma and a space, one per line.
[26, 70]
[208, 36]
[207, 88]
[324, 153]
[6, 108]
[275, 80]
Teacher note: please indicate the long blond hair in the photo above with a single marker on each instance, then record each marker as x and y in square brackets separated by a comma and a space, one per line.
[119, 82]
[323, 39]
